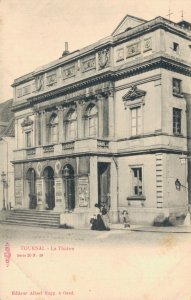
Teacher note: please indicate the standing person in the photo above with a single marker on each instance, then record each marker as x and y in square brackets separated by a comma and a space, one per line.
[105, 217]
[94, 221]
[126, 220]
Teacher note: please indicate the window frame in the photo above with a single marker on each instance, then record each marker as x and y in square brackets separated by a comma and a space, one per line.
[28, 137]
[137, 109]
[175, 119]
[71, 122]
[178, 92]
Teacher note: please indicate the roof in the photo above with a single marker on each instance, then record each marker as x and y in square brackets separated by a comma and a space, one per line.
[7, 123]
[127, 23]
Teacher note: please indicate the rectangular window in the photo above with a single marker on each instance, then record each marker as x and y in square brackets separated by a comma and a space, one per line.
[176, 86]
[136, 121]
[28, 141]
[176, 47]
[176, 121]
[137, 181]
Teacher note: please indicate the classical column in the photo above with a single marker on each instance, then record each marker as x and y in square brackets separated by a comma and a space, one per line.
[37, 129]
[100, 115]
[79, 119]
[60, 124]
[44, 127]
[111, 113]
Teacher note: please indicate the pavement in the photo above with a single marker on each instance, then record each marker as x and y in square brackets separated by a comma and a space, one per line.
[167, 229]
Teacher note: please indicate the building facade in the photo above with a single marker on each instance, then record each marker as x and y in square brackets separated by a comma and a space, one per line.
[7, 145]
[109, 123]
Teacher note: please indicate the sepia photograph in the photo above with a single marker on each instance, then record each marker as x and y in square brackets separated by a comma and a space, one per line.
[95, 150]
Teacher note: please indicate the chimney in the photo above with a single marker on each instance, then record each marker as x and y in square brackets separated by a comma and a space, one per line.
[66, 52]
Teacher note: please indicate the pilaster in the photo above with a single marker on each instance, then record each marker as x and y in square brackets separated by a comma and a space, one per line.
[93, 181]
[60, 124]
[111, 114]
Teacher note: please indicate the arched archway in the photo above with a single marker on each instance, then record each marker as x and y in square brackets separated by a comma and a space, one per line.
[31, 179]
[49, 187]
[69, 183]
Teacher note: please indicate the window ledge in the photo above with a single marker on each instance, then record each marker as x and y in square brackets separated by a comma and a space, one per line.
[178, 134]
[179, 95]
[140, 198]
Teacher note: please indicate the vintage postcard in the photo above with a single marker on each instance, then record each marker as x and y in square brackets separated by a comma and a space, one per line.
[95, 145]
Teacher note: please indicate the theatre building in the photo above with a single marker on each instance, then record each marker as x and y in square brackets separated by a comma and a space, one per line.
[109, 124]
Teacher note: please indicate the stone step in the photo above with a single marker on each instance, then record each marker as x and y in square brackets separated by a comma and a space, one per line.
[48, 217]
[33, 218]
[33, 211]
[32, 224]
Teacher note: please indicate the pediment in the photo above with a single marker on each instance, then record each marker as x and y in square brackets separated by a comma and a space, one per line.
[133, 93]
[127, 23]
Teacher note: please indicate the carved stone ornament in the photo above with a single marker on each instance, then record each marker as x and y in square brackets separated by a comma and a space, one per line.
[39, 82]
[39, 168]
[57, 166]
[27, 122]
[104, 58]
[133, 94]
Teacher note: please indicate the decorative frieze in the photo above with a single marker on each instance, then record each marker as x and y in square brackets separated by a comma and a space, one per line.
[147, 44]
[26, 90]
[39, 82]
[133, 49]
[104, 58]
[19, 92]
[88, 63]
[51, 78]
[68, 71]
[120, 54]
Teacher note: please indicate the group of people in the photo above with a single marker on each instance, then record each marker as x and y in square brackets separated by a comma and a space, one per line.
[100, 220]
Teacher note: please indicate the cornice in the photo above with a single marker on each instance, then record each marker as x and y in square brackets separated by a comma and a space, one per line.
[159, 61]
[102, 154]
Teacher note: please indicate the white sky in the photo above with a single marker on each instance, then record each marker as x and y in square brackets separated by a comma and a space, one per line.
[33, 32]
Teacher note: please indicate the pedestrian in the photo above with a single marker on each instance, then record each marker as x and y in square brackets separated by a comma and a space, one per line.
[126, 220]
[105, 217]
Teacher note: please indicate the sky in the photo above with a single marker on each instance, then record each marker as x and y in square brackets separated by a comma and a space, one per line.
[33, 32]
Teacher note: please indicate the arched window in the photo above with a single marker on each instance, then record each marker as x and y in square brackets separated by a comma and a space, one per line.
[53, 132]
[71, 125]
[91, 121]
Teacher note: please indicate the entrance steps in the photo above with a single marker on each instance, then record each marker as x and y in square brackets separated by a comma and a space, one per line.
[36, 218]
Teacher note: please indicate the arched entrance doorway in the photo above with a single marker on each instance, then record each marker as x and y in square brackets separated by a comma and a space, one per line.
[31, 179]
[49, 187]
[69, 183]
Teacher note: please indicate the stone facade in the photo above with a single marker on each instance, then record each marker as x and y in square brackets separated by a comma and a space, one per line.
[109, 124]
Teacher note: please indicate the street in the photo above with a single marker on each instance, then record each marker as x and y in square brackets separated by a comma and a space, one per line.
[84, 264]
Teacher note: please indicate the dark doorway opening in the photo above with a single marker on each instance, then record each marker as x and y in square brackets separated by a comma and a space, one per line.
[69, 183]
[31, 178]
[49, 187]
[104, 184]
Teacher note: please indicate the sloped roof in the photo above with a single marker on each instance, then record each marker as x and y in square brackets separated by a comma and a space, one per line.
[127, 23]
[7, 123]
[10, 129]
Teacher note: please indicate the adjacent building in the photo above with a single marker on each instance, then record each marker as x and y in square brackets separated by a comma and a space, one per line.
[109, 123]
[7, 133]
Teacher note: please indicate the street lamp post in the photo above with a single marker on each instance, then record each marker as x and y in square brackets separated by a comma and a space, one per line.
[3, 180]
